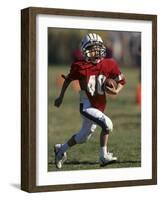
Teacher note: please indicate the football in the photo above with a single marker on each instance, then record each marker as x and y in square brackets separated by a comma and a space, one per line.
[110, 83]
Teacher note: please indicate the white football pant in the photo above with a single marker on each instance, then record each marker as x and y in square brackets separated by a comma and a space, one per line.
[91, 118]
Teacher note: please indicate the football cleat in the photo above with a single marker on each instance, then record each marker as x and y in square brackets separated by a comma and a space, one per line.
[107, 159]
[60, 157]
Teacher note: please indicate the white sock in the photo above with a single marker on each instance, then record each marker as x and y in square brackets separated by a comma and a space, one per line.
[103, 151]
[64, 147]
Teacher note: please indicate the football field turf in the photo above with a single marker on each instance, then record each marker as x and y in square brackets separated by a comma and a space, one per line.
[63, 122]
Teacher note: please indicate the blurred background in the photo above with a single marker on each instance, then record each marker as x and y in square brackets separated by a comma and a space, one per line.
[125, 47]
[124, 110]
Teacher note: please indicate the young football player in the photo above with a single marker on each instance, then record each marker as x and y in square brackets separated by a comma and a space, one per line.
[91, 72]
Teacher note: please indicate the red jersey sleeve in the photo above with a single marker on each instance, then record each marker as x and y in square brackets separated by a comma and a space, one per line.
[116, 74]
[74, 72]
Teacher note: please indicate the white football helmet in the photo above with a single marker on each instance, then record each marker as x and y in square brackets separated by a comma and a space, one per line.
[92, 48]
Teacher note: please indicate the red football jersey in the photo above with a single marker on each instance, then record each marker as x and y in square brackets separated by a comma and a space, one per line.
[92, 76]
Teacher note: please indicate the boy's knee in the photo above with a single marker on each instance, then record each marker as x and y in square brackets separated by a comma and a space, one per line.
[109, 125]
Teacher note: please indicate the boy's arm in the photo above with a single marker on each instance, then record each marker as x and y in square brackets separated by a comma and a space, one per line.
[119, 78]
[59, 100]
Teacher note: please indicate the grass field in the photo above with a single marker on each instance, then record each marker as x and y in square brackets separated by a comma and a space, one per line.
[63, 122]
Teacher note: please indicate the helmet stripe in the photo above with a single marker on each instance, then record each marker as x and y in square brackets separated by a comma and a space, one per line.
[89, 35]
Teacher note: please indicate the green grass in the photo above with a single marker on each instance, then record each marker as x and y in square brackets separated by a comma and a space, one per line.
[63, 122]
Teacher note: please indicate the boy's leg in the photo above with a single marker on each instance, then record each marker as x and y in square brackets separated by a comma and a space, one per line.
[105, 156]
[106, 124]
[104, 138]
[104, 143]
[88, 127]
[103, 121]
[92, 116]
[82, 136]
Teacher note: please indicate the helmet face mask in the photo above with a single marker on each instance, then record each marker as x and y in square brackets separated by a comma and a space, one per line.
[94, 53]
[93, 48]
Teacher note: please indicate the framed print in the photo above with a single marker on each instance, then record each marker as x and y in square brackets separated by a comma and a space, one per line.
[88, 99]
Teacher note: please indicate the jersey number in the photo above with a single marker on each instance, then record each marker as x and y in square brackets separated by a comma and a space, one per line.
[95, 84]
